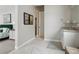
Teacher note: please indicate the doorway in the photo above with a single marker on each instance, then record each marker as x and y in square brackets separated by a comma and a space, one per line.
[39, 22]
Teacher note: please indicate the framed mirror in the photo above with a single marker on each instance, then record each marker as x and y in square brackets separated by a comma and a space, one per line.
[7, 18]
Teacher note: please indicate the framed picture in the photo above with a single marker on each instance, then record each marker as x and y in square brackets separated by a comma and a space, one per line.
[28, 19]
[31, 19]
[7, 18]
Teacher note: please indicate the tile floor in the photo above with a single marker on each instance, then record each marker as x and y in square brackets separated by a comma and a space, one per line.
[6, 46]
[39, 46]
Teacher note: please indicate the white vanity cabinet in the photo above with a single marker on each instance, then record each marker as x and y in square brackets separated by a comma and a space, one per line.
[71, 38]
[12, 34]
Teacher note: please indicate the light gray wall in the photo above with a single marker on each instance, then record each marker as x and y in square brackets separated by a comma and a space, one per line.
[54, 17]
[25, 32]
[75, 13]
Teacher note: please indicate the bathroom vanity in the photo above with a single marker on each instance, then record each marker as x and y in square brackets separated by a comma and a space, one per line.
[70, 37]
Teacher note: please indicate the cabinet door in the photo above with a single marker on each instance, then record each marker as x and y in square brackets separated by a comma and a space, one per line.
[12, 35]
[71, 39]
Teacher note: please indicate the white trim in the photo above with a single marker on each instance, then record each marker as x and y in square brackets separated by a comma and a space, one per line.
[52, 40]
[16, 27]
[26, 42]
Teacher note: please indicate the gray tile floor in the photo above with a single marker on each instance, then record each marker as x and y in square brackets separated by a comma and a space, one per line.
[39, 46]
[6, 46]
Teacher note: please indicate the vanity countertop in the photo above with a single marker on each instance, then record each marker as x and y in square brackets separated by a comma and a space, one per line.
[73, 29]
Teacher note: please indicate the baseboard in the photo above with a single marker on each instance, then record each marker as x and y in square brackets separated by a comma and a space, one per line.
[26, 42]
[52, 40]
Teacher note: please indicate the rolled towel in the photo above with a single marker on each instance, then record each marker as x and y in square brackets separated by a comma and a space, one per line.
[72, 50]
